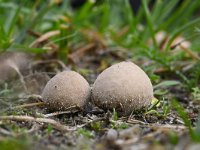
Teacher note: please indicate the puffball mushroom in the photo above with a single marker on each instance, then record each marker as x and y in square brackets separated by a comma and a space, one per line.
[13, 64]
[66, 89]
[123, 86]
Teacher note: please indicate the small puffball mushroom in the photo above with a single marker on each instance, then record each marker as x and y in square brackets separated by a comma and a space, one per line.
[123, 86]
[13, 64]
[66, 89]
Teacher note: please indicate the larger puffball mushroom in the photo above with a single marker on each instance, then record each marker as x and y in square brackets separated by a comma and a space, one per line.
[66, 89]
[123, 86]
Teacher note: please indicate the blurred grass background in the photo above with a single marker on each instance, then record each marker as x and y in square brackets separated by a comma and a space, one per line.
[114, 23]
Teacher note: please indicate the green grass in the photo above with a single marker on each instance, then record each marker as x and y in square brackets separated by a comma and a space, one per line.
[86, 133]
[19, 143]
[194, 133]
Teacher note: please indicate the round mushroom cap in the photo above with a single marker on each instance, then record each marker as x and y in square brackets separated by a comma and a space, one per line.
[66, 89]
[123, 86]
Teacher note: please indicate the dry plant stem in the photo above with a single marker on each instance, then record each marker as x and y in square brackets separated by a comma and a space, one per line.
[21, 78]
[94, 37]
[50, 61]
[52, 122]
[161, 70]
[134, 121]
[57, 113]
[68, 111]
[177, 44]
[91, 121]
[29, 105]
[35, 127]
[6, 132]
[160, 129]
[128, 142]
[75, 57]
[177, 119]
[33, 33]
[123, 31]
[151, 135]
[34, 97]
[44, 38]
[190, 53]
[167, 127]
[36, 34]
[117, 122]
[163, 43]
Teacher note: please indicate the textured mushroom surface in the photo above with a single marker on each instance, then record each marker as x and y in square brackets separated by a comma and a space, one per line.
[123, 86]
[66, 89]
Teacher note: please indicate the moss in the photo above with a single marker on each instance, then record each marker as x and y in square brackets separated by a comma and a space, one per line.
[19, 143]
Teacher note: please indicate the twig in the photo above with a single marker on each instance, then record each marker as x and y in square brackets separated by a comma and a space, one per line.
[183, 40]
[117, 122]
[94, 37]
[160, 129]
[50, 61]
[33, 33]
[44, 38]
[21, 77]
[190, 53]
[38, 35]
[151, 135]
[134, 121]
[68, 110]
[34, 96]
[9, 133]
[58, 113]
[92, 121]
[175, 127]
[123, 31]
[161, 70]
[54, 123]
[176, 119]
[75, 57]
[5, 132]
[35, 127]
[29, 105]
[128, 142]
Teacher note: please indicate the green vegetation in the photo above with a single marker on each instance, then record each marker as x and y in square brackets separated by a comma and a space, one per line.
[20, 143]
[86, 133]
[194, 134]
